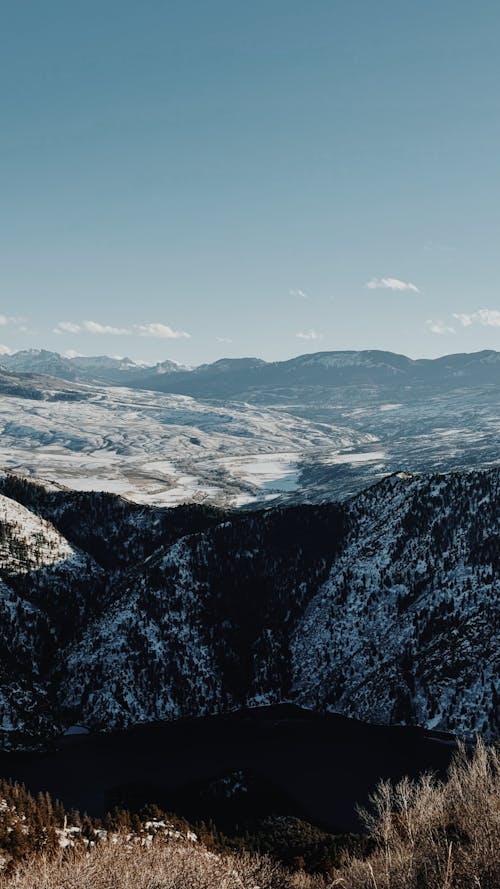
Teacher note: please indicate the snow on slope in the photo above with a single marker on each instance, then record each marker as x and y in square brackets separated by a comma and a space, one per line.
[46, 589]
[147, 658]
[317, 427]
[385, 608]
[28, 542]
[164, 449]
[406, 628]
[22, 694]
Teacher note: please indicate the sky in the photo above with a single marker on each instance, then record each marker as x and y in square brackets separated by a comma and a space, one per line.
[191, 180]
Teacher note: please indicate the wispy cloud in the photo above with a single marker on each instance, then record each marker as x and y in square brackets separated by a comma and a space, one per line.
[159, 331]
[298, 293]
[154, 329]
[67, 327]
[11, 319]
[440, 327]
[485, 317]
[104, 329]
[223, 339]
[391, 284]
[309, 335]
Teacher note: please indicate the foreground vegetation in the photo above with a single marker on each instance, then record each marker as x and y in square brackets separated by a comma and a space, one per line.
[435, 835]
[421, 835]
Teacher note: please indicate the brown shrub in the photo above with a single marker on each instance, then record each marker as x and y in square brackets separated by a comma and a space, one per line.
[157, 866]
[432, 834]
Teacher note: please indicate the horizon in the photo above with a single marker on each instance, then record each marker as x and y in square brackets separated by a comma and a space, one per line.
[223, 357]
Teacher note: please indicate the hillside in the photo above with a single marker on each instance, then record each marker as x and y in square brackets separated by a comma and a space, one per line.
[384, 608]
[406, 628]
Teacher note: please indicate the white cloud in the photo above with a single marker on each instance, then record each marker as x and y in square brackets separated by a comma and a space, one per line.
[439, 327]
[154, 329]
[11, 319]
[106, 329]
[391, 284]
[160, 331]
[300, 294]
[223, 339]
[4, 350]
[465, 320]
[485, 317]
[309, 335]
[89, 327]
[67, 327]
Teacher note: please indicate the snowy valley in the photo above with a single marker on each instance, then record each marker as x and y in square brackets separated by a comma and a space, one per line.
[245, 432]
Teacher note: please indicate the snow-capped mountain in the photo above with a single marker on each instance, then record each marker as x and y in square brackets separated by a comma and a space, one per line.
[119, 371]
[384, 608]
[79, 368]
[39, 361]
[101, 369]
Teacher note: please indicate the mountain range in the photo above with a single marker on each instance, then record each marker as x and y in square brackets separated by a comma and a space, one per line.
[384, 607]
[252, 378]
[98, 369]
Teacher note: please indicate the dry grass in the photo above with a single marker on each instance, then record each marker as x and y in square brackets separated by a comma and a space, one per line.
[429, 835]
[435, 835]
[158, 866]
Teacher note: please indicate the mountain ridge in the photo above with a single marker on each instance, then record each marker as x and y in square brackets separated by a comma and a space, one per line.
[369, 365]
[383, 608]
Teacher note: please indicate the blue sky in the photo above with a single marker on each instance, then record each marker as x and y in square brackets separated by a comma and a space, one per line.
[189, 180]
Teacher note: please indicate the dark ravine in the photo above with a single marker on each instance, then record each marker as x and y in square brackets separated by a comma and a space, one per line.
[316, 767]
